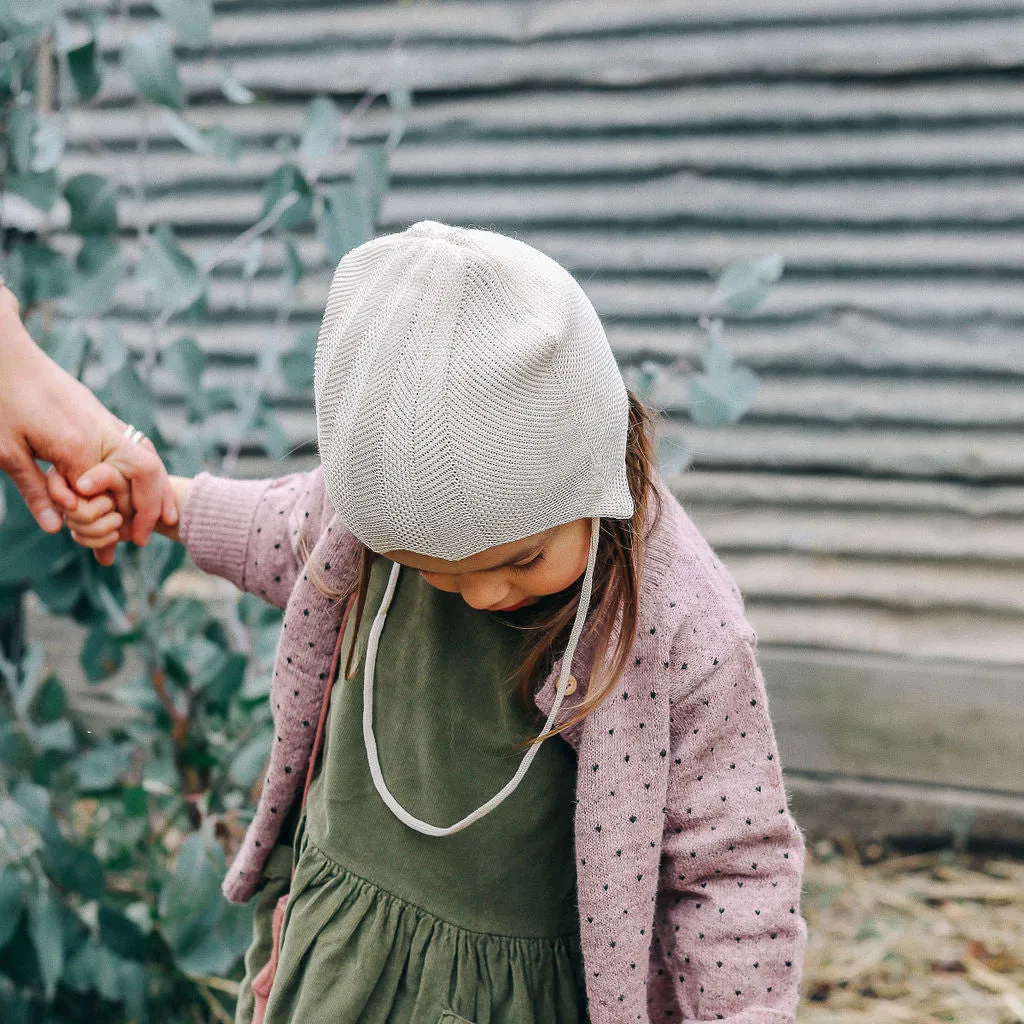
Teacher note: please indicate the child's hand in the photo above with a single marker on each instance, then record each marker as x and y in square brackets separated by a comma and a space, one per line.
[95, 522]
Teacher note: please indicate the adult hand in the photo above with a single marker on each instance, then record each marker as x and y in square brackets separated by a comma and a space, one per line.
[45, 413]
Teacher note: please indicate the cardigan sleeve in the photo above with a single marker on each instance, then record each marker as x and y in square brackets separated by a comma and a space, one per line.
[727, 915]
[248, 530]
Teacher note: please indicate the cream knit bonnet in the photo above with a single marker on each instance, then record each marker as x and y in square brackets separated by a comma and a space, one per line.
[466, 396]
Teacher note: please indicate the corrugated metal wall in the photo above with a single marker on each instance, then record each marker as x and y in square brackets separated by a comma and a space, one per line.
[872, 503]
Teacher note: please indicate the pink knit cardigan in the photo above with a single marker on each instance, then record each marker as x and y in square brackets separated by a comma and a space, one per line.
[689, 864]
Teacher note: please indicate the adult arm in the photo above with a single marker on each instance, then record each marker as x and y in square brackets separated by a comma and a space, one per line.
[45, 413]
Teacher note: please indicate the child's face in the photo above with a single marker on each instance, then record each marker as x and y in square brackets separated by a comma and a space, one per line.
[545, 563]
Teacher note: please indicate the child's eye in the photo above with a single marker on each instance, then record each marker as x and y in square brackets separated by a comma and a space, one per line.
[528, 565]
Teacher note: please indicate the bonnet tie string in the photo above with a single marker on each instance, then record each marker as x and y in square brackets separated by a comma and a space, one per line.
[371, 743]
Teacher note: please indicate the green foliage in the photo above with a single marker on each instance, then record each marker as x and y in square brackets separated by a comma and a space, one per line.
[93, 204]
[86, 69]
[113, 840]
[743, 286]
[724, 392]
[150, 62]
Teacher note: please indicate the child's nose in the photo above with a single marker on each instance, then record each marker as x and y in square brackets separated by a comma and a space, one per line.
[483, 594]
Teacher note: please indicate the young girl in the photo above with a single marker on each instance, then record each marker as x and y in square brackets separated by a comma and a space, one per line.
[549, 790]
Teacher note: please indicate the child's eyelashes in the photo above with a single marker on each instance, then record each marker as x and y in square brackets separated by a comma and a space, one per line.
[528, 565]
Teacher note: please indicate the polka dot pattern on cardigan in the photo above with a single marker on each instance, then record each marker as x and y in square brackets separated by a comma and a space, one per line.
[689, 864]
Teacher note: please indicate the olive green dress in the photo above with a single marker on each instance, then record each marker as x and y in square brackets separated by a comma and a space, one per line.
[385, 924]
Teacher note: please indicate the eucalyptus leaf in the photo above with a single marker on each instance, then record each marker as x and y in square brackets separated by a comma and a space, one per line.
[672, 455]
[20, 127]
[44, 926]
[276, 442]
[47, 144]
[125, 396]
[86, 69]
[250, 761]
[297, 365]
[19, 837]
[150, 62]
[111, 346]
[346, 220]
[168, 273]
[715, 356]
[742, 286]
[41, 190]
[47, 273]
[321, 133]
[190, 899]
[227, 681]
[51, 701]
[60, 590]
[221, 398]
[213, 141]
[722, 399]
[74, 869]
[400, 100]
[59, 736]
[207, 934]
[643, 380]
[95, 252]
[371, 177]
[100, 656]
[67, 346]
[233, 90]
[223, 143]
[96, 968]
[28, 552]
[186, 360]
[33, 14]
[93, 203]
[92, 293]
[191, 19]
[102, 767]
[32, 676]
[292, 265]
[287, 179]
[10, 904]
[251, 257]
[219, 948]
[120, 934]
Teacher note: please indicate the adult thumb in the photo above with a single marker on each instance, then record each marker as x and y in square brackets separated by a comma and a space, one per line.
[31, 482]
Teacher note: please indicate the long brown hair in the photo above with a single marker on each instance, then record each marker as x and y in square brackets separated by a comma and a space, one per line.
[617, 581]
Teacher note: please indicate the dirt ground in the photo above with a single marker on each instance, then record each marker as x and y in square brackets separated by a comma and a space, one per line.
[920, 937]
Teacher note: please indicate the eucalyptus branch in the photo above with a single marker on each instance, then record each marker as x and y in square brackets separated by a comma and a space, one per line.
[261, 226]
[254, 393]
[395, 56]
[141, 150]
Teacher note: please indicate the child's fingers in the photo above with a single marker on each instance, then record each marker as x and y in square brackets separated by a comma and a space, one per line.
[107, 539]
[99, 528]
[105, 555]
[102, 477]
[60, 493]
[105, 479]
[89, 510]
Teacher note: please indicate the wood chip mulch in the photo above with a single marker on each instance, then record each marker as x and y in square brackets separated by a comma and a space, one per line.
[922, 938]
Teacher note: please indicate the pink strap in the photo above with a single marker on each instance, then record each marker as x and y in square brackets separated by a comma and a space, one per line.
[264, 981]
